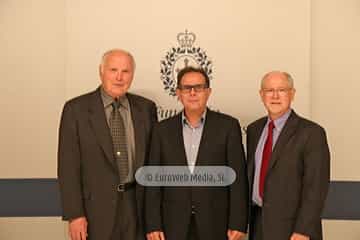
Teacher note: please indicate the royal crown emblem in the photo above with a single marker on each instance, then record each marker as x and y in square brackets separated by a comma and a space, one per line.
[185, 54]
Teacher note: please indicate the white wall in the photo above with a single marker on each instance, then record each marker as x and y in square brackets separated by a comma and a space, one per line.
[335, 88]
[32, 70]
[335, 85]
[50, 51]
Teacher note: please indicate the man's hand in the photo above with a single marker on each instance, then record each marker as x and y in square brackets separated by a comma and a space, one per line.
[298, 236]
[156, 235]
[235, 235]
[78, 228]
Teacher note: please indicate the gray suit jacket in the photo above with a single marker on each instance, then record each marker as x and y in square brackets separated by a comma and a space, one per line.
[297, 181]
[87, 170]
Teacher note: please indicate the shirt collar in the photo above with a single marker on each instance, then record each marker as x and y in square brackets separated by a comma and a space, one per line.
[201, 122]
[280, 122]
[108, 100]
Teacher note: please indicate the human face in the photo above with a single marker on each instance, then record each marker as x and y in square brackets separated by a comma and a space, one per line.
[276, 94]
[116, 73]
[195, 100]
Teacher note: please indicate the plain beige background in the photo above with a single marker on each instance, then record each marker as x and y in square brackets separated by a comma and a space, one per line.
[50, 51]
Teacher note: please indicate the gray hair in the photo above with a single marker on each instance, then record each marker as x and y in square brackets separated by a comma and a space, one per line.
[288, 77]
[116, 50]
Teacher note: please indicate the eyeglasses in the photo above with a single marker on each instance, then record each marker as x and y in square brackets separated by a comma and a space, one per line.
[197, 88]
[280, 91]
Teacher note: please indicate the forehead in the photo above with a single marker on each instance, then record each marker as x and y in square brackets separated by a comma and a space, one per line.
[276, 80]
[192, 78]
[117, 58]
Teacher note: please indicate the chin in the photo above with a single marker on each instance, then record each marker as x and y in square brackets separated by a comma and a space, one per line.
[119, 93]
[196, 109]
[275, 109]
[190, 108]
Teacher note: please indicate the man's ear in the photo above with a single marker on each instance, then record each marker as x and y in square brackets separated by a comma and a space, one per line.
[100, 70]
[293, 91]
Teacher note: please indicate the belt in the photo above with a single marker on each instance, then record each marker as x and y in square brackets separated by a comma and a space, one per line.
[123, 187]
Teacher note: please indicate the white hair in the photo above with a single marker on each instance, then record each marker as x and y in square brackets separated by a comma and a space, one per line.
[116, 50]
[287, 76]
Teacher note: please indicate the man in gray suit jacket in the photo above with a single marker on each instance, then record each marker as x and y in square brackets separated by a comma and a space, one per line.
[103, 140]
[288, 167]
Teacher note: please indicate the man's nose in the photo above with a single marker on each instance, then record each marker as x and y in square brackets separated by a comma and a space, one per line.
[275, 93]
[119, 76]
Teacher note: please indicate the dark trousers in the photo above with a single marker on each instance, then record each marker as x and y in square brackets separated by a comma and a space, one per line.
[192, 233]
[255, 231]
[125, 226]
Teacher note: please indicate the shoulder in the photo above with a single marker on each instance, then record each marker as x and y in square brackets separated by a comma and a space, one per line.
[169, 125]
[82, 100]
[170, 122]
[312, 135]
[140, 99]
[310, 126]
[78, 107]
[259, 123]
[222, 118]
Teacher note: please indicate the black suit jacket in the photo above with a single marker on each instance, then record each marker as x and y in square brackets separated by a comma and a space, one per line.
[216, 208]
[87, 170]
[297, 180]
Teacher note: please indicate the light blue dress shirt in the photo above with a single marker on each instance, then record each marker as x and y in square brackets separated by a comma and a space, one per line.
[278, 126]
[192, 137]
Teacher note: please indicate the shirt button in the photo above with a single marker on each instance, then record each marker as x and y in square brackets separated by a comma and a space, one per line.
[193, 210]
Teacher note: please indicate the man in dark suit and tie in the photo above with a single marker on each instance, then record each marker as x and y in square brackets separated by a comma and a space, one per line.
[103, 140]
[197, 137]
[288, 167]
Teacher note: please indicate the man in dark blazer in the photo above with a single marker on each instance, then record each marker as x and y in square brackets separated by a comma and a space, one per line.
[197, 137]
[288, 167]
[103, 140]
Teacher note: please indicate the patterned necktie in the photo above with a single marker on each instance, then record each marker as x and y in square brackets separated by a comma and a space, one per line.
[266, 158]
[118, 135]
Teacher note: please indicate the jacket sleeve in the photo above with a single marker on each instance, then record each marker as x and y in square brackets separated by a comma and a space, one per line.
[238, 212]
[153, 220]
[69, 172]
[316, 179]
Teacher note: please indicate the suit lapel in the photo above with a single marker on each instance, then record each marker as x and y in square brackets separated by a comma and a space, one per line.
[100, 127]
[139, 131]
[179, 140]
[286, 133]
[252, 147]
[205, 137]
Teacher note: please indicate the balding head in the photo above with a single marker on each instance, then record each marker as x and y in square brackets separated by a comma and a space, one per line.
[119, 52]
[278, 74]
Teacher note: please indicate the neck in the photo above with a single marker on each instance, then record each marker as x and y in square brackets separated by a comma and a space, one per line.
[193, 117]
[273, 117]
[111, 94]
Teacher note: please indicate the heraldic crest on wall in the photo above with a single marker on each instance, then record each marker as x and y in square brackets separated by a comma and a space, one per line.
[185, 54]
